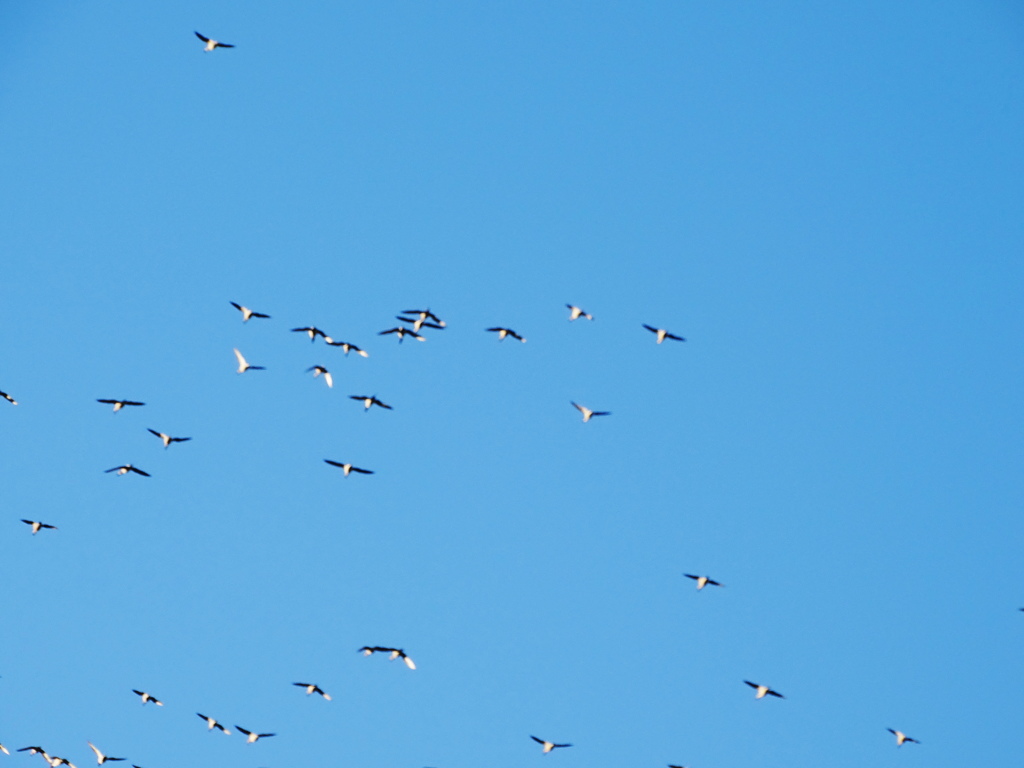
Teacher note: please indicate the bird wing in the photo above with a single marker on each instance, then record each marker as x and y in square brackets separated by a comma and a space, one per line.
[240, 728]
[99, 755]
[539, 741]
[775, 693]
[138, 471]
[333, 464]
[649, 328]
[206, 40]
[752, 685]
[329, 379]
[225, 45]
[362, 471]
[241, 360]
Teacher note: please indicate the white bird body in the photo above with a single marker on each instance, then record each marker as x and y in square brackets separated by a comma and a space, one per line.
[212, 44]
[575, 313]
[243, 365]
[763, 690]
[211, 724]
[319, 370]
[100, 757]
[313, 688]
[703, 581]
[587, 413]
[902, 738]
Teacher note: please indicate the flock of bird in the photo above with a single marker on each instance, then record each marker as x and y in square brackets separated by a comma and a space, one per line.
[411, 324]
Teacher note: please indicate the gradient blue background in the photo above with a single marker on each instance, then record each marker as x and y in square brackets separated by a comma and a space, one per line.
[825, 199]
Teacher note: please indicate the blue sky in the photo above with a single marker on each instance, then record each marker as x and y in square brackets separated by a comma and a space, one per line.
[825, 201]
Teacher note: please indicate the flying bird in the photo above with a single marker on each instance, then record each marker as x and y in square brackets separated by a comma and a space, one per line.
[211, 44]
[346, 347]
[575, 313]
[703, 581]
[662, 334]
[423, 315]
[763, 690]
[313, 688]
[8, 398]
[549, 745]
[503, 332]
[119, 404]
[167, 439]
[398, 653]
[125, 469]
[148, 697]
[211, 724]
[4, 749]
[394, 653]
[35, 751]
[243, 366]
[402, 333]
[370, 401]
[901, 737]
[247, 313]
[100, 757]
[36, 525]
[312, 331]
[587, 413]
[319, 370]
[252, 738]
[347, 468]
[420, 322]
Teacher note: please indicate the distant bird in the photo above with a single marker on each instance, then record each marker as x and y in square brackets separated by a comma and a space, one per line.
[763, 690]
[100, 757]
[575, 312]
[119, 404]
[347, 468]
[662, 334]
[394, 653]
[423, 315]
[370, 401]
[212, 44]
[211, 724]
[346, 347]
[35, 751]
[243, 366]
[319, 370]
[702, 581]
[419, 322]
[901, 737]
[549, 745]
[503, 332]
[402, 333]
[312, 331]
[398, 653]
[36, 525]
[148, 697]
[8, 398]
[55, 761]
[313, 688]
[252, 738]
[247, 313]
[587, 413]
[167, 439]
[126, 468]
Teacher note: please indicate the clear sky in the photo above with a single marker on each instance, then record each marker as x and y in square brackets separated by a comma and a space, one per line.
[825, 199]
